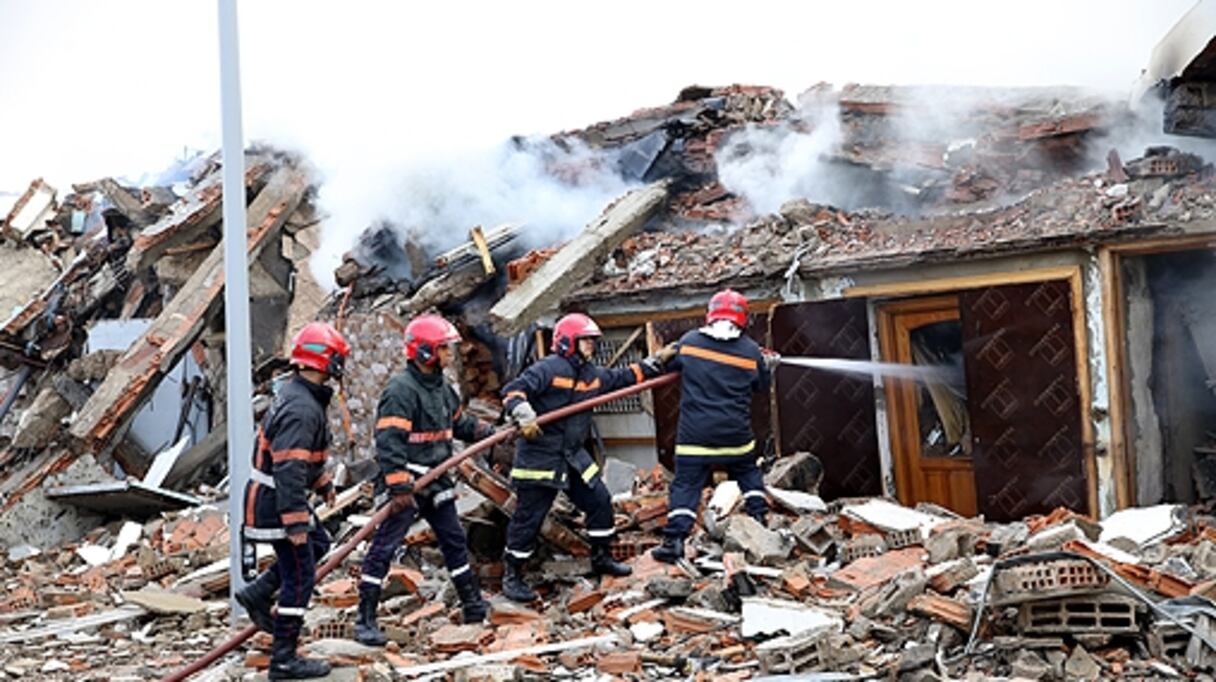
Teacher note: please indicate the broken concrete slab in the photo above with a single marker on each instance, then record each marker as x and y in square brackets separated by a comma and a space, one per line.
[164, 603]
[1144, 525]
[771, 616]
[577, 260]
[761, 545]
[796, 501]
[619, 476]
[668, 587]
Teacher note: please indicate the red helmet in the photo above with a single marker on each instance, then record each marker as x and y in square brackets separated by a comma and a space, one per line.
[570, 329]
[425, 334]
[728, 304]
[319, 346]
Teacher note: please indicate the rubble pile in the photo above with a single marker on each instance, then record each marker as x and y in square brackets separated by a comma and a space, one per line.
[113, 346]
[863, 586]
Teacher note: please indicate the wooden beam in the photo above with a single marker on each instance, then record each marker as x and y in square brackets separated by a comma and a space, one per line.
[483, 248]
[625, 346]
[945, 284]
[137, 373]
[1085, 389]
[575, 262]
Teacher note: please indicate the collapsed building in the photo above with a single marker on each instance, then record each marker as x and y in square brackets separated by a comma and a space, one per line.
[924, 530]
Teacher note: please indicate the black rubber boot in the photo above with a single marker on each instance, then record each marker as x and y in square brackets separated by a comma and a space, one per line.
[366, 630]
[473, 607]
[671, 551]
[513, 585]
[258, 597]
[602, 562]
[286, 664]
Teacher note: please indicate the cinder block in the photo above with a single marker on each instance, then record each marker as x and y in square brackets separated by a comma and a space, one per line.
[806, 652]
[1044, 580]
[1111, 614]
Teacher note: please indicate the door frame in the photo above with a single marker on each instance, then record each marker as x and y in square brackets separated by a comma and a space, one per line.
[1070, 274]
[902, 415]
[1118, 381]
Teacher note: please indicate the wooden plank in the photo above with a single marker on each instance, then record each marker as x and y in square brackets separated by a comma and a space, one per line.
[575, 262]
[625, 346]
[947, 284]
[137, 373]
[1085, 392]
[1114, 330]
[510, 654]
[483, 248]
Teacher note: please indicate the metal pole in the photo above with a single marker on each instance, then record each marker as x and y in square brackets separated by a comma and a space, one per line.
[237, 349]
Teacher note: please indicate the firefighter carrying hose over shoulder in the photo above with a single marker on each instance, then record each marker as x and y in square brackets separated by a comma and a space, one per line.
[418, 416]
[288, 462]
[720, 370]
[550, 460]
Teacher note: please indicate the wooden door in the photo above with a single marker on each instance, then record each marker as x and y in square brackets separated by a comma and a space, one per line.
[828, 414]
[929, 420]
[1022, 374]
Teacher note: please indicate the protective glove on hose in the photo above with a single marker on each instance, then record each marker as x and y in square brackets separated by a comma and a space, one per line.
[525, 417]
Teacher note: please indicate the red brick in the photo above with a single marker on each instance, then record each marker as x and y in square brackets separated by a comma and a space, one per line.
[619, 663]
[583, 599]
[427, 611]
[876, 570]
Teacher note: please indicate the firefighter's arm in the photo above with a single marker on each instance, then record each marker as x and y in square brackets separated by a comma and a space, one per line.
[290, 456]
[517, 396]
[394, 423]
[766, 362]
[634, 373]
[466, 427]
[324, 485]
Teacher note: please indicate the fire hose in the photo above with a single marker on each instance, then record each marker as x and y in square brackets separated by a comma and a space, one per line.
[337, 556]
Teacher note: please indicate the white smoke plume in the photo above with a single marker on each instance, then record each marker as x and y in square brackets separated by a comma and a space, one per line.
[769, 165]
[552, 189]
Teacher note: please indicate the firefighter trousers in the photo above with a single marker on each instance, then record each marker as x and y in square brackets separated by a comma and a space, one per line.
[297, 569]
[443, 520]
[532, 504]
[693, 473]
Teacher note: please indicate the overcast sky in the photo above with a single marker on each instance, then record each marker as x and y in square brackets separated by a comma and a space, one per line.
[121, 87]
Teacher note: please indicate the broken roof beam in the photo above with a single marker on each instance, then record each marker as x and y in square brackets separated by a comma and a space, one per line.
[127, 203]
[114, 404]
[187, 221]
[575, 262]
[477, 246]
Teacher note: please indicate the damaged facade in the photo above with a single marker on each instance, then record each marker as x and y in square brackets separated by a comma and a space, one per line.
[923, 530]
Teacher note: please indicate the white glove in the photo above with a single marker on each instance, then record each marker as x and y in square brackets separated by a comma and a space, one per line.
[525, 417]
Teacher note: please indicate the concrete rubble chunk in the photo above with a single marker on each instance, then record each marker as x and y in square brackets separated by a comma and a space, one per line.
[894, 596]
[800, 472]
[619, 476]
[760, 544]
[669, 587]
[1144, 525]
[772, 616]
[1031, 666]
[164, 603]
[1081, 665]
[645, 631]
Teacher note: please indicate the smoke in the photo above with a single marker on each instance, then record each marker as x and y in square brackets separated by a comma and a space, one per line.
[769, 165]
[552, 189]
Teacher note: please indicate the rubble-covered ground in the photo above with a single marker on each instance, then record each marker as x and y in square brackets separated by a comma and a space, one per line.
[114, 299]
[864, 587]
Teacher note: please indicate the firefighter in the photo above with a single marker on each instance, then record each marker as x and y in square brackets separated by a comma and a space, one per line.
[416, 419]
[720, 370]
[553, 459]
[289, 461]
